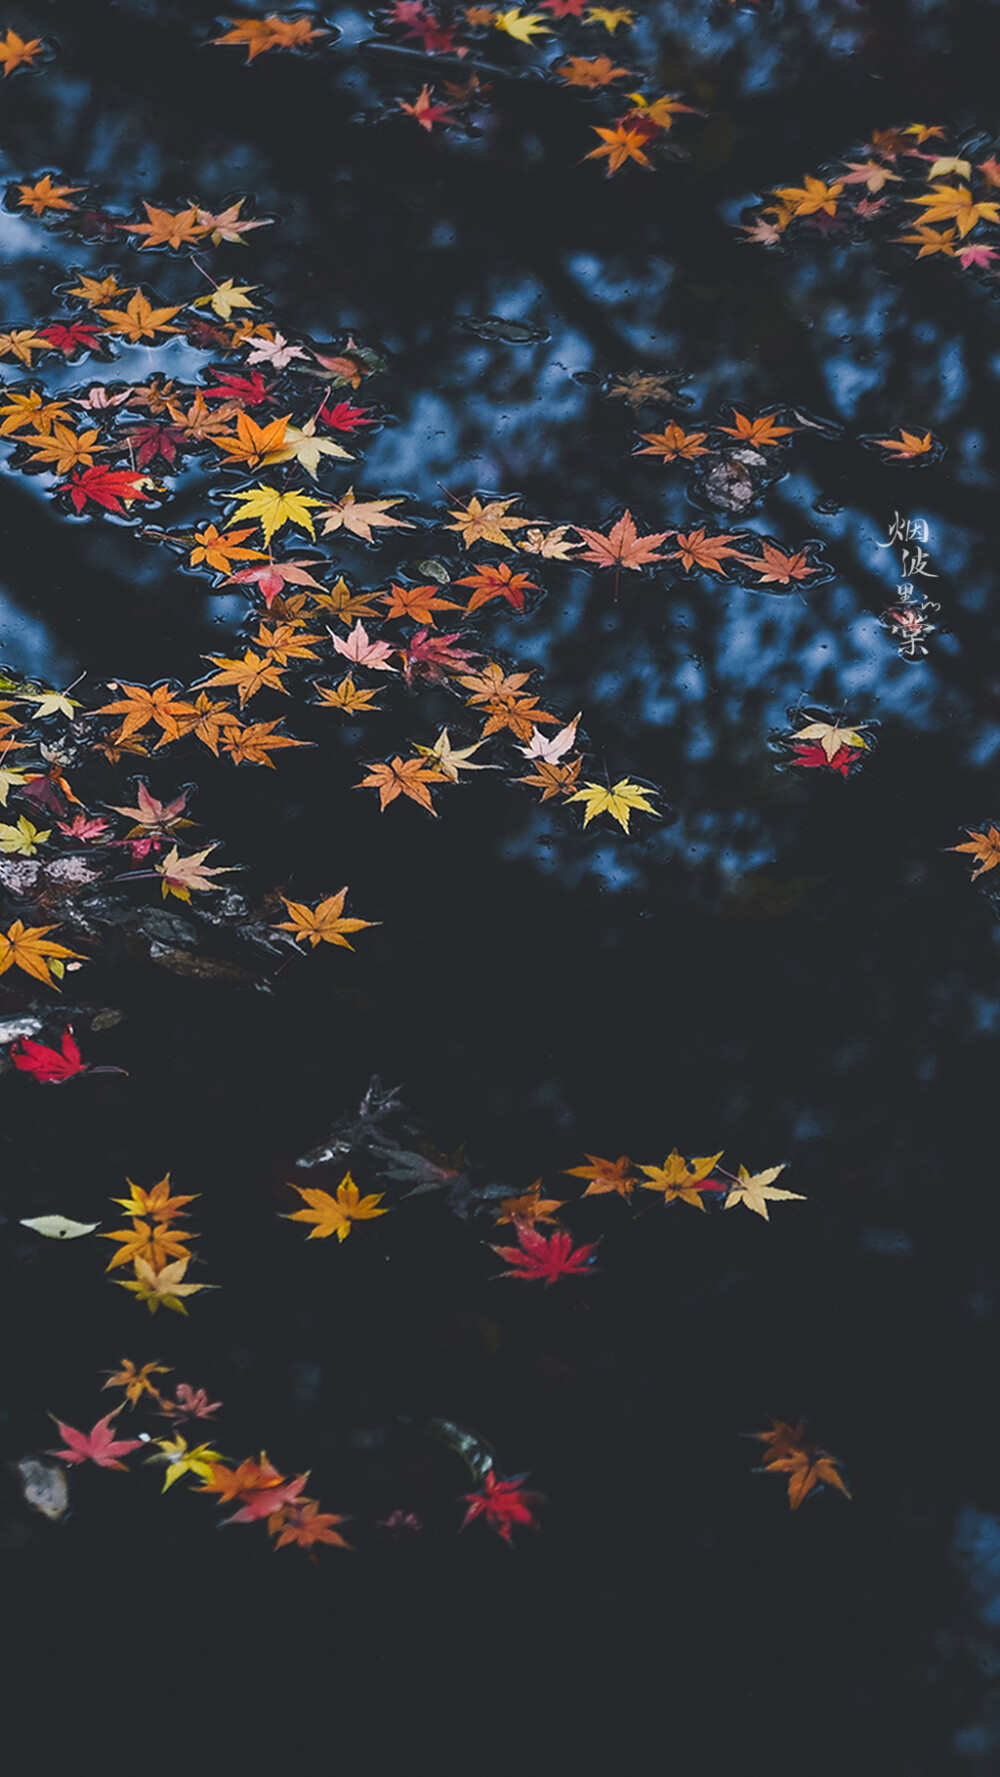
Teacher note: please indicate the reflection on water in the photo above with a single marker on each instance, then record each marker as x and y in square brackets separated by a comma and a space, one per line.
[791, 965]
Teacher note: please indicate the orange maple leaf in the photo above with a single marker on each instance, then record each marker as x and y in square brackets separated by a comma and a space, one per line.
[985, 848]
[606, 1176]
[622, 547]
[700, 550]
[673, 442]
[908, 444]
[403, 777]
[621, 144]
[762, 430]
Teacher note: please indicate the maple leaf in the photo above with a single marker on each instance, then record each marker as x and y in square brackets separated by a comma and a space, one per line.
[489, 524]
[277, 352]
[907, 445]
[30, 949]
[623, 142]
[226, 298]
[985, 848]
[806, 1470]
[588, 71]
[553, 780]
[178, 876]
[344, 417]
[605, 1176]
[618, 801]
[157, 1202]
[229, 225]
[98, 1445]
[253, 744]
[870, 173]
[22, 839]
[83, 827]
[419, 603]
[622, 547]
[324, 923]
[334, 1215]
[611, 17]
[954, 203]
[363, 652]
[43, 195]
[163, 1288]
[811, 198]
[275, 509]
[831, 738]
[495, 580]
[360, 516]
[272, 579]
[426, 110]
[762, 430]
[27, 407]
[530, 1208]
[219, 550]
[502, 1504]
[673, 442]
[524, 27]
[15, 52]
[250, 674]
[20, 342]
[930, 240]
[977, 254]
[303, 446]
[537, 1258]
[551, 747]
[552, 544]
[450, 761]
[347, 696]
[259, 34]
[136, 1382]
[49, 1066]
[151, 816]
[114, 489]
[790, 1451]
[284, 644]
[777, 568]
[190, 1403]
[303, 1523]
[433, 656]
[699, 549]
[812, 756]
[182, 1461]
[682, 1180]
[251, 444]
[400, 777]
[139, 320]
[755, 1189]
[154, 1245]
[141, 705]
[164, 229]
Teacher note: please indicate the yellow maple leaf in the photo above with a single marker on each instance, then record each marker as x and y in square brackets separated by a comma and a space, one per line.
[334, 1215]
[618, 801]
[323, 924]
[275, 510]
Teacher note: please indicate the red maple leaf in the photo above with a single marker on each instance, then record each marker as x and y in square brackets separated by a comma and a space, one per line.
[49, 1065]
[106, 487]
[431, 656]
[154, 440]
[97, 1445]
[345, 418]
[537, 1257]
[503, 1504]
[78, 336]
[248, 390]
[810, 754]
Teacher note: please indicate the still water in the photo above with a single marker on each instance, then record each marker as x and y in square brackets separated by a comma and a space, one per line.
[778, 960]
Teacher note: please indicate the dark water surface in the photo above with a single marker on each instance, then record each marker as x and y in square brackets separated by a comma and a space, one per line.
[789, 967]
